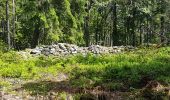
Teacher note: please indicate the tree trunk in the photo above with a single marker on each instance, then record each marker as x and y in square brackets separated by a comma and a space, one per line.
[86, 31]
[128, 30]
[13, 12]
[140, 36]
[86, 25]
[97, 30]
[147, 34]
[162, 29]
[35, 38]
[115, 36]
[133, 27]
[7, 26]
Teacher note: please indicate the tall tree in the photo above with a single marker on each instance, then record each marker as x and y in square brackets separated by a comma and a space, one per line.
[13, 12]
[115, 36]
[7, 25]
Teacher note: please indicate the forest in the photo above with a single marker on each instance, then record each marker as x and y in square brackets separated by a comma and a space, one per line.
[84, 49]
[28, 23]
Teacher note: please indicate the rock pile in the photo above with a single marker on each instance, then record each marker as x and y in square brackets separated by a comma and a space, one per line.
[66, 49]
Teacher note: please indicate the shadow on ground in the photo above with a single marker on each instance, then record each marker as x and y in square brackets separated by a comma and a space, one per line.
[55, 88]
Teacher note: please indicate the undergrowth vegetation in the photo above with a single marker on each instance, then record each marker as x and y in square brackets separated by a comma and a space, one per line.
[122, 71]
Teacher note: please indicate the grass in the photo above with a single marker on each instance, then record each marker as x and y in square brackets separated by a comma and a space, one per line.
[114, 72]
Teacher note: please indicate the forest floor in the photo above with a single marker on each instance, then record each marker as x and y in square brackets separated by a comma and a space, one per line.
[58, 89]
[143, 73]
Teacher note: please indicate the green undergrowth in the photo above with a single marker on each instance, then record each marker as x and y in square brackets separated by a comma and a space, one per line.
[123, 71]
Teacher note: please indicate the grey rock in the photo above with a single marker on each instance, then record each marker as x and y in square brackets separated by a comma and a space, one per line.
[35, 51]
[61, 46]
[52, 51]
[46, 49]
[61, 49]
[74, 52]
[47, 53]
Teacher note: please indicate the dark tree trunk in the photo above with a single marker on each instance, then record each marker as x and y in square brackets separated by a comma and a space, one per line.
[3, 29]
[115, 36]
[35, 38]
[147, 34]
[86, 24]
[7, 26]
[133, 27]
[86, 31]
[162, 29]
[97, 30]
[140, 36]
[128, 30]
[13, 11]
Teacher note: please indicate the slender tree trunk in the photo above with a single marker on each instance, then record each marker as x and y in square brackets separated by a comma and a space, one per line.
[110, 35]
[162, 29]
[13, 11]
[140, 36]
[115, 36]
[128, 30]
[133, 28]
[86, 31]
[97, 30]
[35, 38]
[147, 34]
[7, 26]
[124, 31]
[86, 25]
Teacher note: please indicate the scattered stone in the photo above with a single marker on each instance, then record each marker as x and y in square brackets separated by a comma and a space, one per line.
[66, 49]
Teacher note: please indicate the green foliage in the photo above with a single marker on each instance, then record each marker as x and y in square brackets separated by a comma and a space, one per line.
[128, 69]
[114, 72]
[3, 83]
[3, 46]
[76, 21]
[12, 65]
